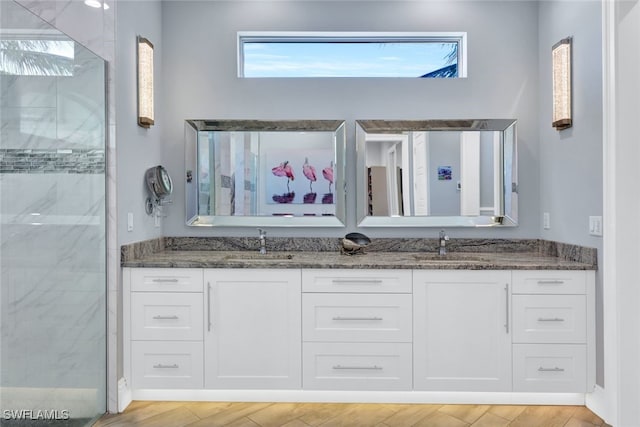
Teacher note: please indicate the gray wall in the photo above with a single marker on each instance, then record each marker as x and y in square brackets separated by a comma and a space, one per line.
[571, 160]
[137, 148]
[509, 77]
[199, 56]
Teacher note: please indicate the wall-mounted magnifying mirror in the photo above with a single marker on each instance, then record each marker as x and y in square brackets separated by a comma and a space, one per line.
[159, 185]
[435, 173]
[265, 173]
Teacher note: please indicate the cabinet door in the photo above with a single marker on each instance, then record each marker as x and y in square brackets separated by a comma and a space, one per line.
[357, 366]
[166, 316]
[356, 317]
[549, 282]
[356, 281]
[550, 368]
[462, 338]
[549, 319]
[166, 280]
[166, 364]
[252, 329]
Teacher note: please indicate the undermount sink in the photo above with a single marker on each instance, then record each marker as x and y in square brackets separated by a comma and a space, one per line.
[255, 256]
[452, 257]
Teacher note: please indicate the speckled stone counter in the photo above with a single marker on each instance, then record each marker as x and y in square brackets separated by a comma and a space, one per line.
[466, 254]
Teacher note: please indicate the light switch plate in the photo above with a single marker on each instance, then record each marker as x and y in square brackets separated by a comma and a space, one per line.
[130, 221]
[595, 225]
[546, 221]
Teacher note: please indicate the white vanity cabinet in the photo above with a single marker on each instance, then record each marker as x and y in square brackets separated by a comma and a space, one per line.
[462, 333]
[252, 329]
[552, 331]
[163, 319]
[357, 329]
[219, 333]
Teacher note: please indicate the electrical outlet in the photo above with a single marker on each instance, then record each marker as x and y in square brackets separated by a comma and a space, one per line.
[595, 225]
[130, 221]
[546, 221]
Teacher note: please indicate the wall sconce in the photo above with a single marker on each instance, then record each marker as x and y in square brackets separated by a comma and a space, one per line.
[561, 58]
[145, 82]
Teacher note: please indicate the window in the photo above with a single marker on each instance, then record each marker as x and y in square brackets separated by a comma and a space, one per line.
[287, 54]
[36, 57]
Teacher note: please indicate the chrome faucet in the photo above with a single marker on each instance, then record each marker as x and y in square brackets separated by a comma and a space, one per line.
[442, 248]
[263, 241]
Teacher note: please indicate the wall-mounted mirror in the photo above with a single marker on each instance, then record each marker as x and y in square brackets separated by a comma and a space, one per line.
[437, 173]
[265, 173]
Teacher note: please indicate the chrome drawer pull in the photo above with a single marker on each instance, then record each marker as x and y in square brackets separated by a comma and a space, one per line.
[550, 282]
[556, 369]
[208, 306]
[506, 321]
[165, 317]
[374, 367]
[357, 281]
[161, 366]
[357, 318]
[550, 319]
[165, 280]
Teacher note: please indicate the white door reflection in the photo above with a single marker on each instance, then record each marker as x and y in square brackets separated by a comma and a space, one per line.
[425, 173]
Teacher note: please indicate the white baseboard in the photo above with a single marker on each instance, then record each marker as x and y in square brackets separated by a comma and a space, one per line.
[599, 404]
[125, 396]
[493, 398]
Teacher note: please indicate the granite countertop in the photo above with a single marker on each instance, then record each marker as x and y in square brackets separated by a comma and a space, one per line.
[370, 260]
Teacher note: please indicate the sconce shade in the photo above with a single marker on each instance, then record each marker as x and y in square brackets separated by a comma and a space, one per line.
[561, 58]
[145, 82]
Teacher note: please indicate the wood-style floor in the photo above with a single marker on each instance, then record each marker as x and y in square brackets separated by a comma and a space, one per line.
[195, 414]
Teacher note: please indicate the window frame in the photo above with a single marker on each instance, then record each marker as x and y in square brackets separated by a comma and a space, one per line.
[459, 37]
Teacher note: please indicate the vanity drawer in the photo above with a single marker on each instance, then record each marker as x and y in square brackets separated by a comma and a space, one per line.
[168, 365]
[166, 316]
[166, 280]
[549, 282]
[356, 281]
[550, 368]
[549, 319]
[356, 366]
[357, 317]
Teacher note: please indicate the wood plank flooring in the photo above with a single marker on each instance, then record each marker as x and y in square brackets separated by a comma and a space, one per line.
[241, 414]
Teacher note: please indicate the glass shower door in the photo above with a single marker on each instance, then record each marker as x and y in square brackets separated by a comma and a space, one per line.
[52, 225]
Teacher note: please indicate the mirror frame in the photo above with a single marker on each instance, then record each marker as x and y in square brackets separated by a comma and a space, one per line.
[509, 199]
[193, 127]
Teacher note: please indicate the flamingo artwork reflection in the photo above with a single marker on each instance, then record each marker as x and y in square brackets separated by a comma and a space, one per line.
[327, 173]
[309, 172]
[284, 169]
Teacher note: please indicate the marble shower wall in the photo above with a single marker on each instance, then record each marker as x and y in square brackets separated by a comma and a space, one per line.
[53, 232]
[53, 280]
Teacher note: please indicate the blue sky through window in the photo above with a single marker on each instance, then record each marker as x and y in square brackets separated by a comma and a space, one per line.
[346, 59]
